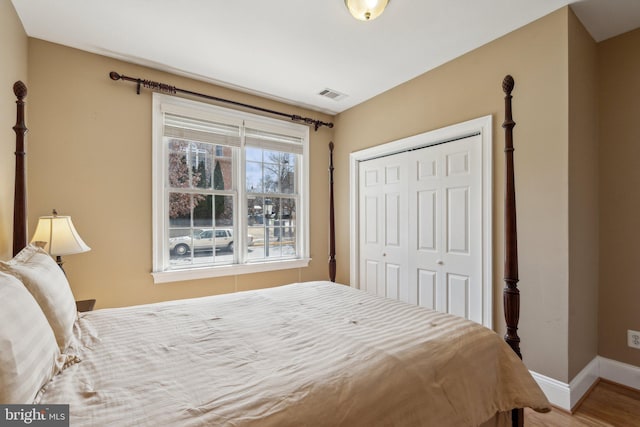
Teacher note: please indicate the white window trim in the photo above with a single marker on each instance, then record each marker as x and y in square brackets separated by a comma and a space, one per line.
[160, 257]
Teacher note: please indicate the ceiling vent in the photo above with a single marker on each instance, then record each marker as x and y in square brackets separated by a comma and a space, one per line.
[332, 94]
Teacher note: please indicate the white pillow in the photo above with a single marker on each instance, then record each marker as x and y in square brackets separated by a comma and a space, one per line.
[29, 355]
[48, 284]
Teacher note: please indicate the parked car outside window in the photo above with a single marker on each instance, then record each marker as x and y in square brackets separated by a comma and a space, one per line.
[204, 241]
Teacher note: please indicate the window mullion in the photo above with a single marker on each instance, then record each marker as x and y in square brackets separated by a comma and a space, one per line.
[241, 201]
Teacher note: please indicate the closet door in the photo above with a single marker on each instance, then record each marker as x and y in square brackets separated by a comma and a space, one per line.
[384, 230]
[445, 210]
[420, 219]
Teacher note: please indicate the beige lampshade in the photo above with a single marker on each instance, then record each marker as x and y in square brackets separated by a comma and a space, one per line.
[366, 10]
[59, 235]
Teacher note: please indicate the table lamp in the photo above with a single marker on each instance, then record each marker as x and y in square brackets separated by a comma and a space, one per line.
[57, 235]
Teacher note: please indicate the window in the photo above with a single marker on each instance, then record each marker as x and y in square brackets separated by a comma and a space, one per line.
[229, 191]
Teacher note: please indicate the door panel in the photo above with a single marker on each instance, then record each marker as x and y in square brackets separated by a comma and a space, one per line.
[427, 288]
[392, 217]
[457, 220]
[384, 216]
[371, 276]
[371, 178]
[392, 279]
[426, 169]
[371, 219]
[458, 295]
[457, 163]
[462, 258]
[392, 174]
[427, 223]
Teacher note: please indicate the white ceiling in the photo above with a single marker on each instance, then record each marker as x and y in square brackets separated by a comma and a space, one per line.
[290, 50]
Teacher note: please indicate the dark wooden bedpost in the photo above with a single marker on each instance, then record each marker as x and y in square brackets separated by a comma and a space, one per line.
[332, 225]
[511, 293]
[20, 192]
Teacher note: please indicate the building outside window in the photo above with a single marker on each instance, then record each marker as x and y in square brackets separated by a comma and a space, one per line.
[230, 191]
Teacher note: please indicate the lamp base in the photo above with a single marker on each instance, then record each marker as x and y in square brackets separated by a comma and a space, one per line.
[60, 262]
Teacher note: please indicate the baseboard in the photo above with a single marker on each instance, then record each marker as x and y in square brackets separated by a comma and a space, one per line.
[618, 372]
[583, 382]
[558, 393]
[566, 396]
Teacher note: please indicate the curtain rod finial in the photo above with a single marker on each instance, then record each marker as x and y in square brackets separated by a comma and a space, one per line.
[114, 75]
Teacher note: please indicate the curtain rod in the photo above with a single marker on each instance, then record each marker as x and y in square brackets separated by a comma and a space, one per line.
[162, 87]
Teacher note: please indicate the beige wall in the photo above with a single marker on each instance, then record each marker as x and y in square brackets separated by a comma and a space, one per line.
[470, 87]
[583, 197]
[90, 157]
[619, 98]
[13, 67]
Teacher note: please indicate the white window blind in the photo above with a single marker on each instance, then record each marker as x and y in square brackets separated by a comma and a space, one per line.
[273, 141]
[200, 130]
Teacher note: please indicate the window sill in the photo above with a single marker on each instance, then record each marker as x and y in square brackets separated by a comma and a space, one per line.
[227, 270]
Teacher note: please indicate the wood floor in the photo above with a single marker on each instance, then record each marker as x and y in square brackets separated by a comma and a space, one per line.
[607, 405]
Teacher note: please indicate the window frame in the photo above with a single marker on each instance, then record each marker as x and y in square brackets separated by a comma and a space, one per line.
[161, 271]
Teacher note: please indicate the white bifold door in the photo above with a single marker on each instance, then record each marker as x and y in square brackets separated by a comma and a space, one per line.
[420, 219]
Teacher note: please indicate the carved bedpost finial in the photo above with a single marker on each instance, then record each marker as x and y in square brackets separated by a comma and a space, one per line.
[20, 90]
[508, 84]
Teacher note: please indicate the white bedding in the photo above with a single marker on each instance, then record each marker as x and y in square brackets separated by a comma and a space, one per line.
[308, 354]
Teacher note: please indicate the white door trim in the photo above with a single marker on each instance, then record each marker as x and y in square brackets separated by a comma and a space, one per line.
[480, 125]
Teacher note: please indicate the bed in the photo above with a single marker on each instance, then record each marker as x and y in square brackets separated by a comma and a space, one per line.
[304, 354]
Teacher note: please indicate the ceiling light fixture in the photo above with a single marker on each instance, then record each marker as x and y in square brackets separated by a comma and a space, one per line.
[366, 10]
